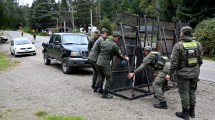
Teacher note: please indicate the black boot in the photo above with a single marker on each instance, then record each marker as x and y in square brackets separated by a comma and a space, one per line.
[192, 111]
[161, 105]
[184, 114]
[93, 85]
[95, 89]
[106, 95]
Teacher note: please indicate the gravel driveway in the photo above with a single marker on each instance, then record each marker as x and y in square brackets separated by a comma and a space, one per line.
[32, 86]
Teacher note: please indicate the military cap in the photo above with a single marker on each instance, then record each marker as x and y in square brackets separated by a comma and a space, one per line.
[105, 30]
[115, 33]
[148, 48]
[97, 32]
[186, 29]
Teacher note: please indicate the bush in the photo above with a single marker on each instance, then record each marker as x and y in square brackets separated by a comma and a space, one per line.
[106, 23]
[206, 35]
[43, 34]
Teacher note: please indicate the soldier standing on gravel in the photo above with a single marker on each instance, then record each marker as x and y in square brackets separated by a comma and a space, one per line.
[186, 59]
[93, 55]
[161, 66]
[109, 49]
[90, 45]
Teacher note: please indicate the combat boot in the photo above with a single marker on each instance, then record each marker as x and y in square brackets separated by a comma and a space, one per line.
[192, 111]
[106, 95]
[95, 89]
[161, 105]
[184, 114]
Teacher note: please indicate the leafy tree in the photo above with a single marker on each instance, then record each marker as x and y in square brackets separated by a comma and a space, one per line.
[43, 14]
[206, 35]
[12, 15]
[148, 7]
[192, 11]
[82, 11]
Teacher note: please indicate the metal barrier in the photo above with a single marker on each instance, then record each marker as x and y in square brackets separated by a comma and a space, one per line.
[138, 32]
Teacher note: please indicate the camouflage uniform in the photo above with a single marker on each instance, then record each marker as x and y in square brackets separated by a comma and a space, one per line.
[109, 49]
[187, 74]
[94, 53]
[160, 64]
[94, 66]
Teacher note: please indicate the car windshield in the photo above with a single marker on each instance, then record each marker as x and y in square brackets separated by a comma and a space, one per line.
[22, 41]
[75, 39]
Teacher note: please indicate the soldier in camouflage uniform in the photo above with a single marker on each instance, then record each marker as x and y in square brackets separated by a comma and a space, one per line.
[90, 45]
[161, 66]
[186, 59]
[93, 55]
[109, 49]
[91, 42]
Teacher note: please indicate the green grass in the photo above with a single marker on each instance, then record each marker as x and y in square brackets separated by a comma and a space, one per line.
[64, 118]
[5, 62]
[41, 114]
[209, 58]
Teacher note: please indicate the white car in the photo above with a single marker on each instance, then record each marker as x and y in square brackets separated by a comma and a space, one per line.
[22, 46]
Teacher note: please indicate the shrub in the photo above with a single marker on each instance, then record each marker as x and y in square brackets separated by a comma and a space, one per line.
[106, 23]
[206, 35]
[43, 34]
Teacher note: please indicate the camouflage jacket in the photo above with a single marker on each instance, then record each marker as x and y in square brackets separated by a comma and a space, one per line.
[94, 53]
[109, 49]
[178, 57]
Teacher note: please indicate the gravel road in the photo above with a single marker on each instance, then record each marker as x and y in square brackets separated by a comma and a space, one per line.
[32, 86]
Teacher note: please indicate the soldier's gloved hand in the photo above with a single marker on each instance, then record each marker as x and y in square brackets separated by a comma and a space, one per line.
[124, 62]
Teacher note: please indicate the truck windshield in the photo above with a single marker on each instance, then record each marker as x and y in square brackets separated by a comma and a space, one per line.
[75, 39]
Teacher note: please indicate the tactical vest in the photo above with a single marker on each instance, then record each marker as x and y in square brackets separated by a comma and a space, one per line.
[159, 61]
[192, 53]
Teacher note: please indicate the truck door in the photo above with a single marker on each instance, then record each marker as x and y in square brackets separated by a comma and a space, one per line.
[50, 47]
[58, 47]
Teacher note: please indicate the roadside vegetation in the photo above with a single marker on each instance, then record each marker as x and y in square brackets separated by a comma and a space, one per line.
[45, 116]
[5, 62]
[206, 35]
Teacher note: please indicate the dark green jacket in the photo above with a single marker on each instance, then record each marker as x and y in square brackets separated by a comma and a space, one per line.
[109, 49]
[96, 49]
[90, 44]
[148, 60]
[178, 57]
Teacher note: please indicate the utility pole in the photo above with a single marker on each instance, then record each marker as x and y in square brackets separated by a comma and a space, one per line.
[91, 20]
[64, 26]
[73, 24]
[57, 26]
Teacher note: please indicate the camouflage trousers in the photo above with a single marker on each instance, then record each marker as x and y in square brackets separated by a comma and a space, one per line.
[96, 74]
[187, 89]
[107, 74]
[158, 85]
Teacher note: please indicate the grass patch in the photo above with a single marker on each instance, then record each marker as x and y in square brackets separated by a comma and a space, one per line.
[209, 58]
[64, 118]
[6, 114]
[41, 114]
[5, 62]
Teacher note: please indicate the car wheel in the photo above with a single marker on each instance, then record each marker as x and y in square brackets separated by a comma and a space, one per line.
[11, 52]
[34, 53]
[3, 41]
[14, 53]
[46, 59]
[66, 68]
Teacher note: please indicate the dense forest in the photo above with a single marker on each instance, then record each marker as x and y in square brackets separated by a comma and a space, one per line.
[51, 14]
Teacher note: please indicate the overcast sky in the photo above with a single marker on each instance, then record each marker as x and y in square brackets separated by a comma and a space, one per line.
[24, 2]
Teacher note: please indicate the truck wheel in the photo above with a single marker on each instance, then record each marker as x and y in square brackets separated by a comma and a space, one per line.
[46, 59]
[66, 68]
